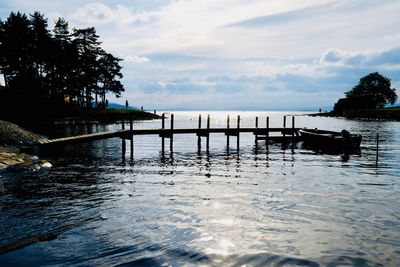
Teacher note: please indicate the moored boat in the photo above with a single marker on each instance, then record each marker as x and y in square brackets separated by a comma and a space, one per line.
[330, 140]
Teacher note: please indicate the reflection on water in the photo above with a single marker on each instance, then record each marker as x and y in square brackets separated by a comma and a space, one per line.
[270, 206]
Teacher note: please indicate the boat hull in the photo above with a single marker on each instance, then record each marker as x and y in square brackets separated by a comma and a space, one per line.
[330, 141]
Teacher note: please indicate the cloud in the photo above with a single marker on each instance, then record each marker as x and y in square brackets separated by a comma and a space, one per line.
[135, 59]
[343, 57]
[319, 9]
[377, 58]
[95, 13]
[311, 83]
[99, 14]
[283, 17]
[392, 37]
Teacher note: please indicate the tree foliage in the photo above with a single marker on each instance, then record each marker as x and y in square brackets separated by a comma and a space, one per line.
[372, 91]
[44, 68]
[376, 87]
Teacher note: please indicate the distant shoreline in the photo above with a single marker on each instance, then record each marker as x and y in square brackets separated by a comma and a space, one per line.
[106, 116]
[367, 114]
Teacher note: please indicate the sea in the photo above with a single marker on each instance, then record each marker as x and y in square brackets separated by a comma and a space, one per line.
[264, 205]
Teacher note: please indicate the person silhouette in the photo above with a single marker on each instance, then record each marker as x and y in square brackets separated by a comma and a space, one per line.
[126, 104]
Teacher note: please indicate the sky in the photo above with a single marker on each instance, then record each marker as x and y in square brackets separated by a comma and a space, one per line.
[237, 54]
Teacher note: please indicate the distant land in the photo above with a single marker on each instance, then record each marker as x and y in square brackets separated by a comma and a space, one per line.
[301, 109]
[120, 106]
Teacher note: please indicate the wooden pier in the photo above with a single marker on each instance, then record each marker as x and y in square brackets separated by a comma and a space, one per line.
[287, 134]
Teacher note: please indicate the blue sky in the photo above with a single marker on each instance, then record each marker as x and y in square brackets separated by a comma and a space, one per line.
[238, 54]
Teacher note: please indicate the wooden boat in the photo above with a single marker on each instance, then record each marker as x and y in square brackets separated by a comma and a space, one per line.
[331, 141]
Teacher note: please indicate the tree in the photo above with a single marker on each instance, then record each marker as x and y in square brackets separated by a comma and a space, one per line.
[15, 40]
[47, 70]
[372, 91]
[40, 46]
[110, 72]
[374, 88]
[86, 40]
[65, 58]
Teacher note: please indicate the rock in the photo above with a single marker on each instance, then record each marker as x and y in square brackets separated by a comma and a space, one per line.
[13, 135]
[45, 164]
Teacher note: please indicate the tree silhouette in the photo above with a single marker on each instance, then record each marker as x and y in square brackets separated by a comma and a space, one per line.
[375, 87]
[372, 91]
[14, 43]
[110, 73]
[86, 41]
[45, 69]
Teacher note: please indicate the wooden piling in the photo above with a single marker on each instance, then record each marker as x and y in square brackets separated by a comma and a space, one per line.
[198, 135]
[131, 134]
[123, 140]
[256, 136]
[227, 135]
[238, 134]
[163, 138]
[208, 133]
[171, 138]
[377, 150]
[293, 122]
[267, 126]
[284, 126]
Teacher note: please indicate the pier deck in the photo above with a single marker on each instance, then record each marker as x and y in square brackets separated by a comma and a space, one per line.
[260, 133]
[127, 133]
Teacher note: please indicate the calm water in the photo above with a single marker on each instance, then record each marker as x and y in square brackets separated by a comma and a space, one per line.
[283, 207]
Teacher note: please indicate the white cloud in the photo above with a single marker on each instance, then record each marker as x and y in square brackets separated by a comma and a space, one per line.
[135, 59]
[337, 56]
[392, 37]
[95, 13]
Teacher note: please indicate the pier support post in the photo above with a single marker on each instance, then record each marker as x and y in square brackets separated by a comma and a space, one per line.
[256, 135]
[293, 123]
[377, 150]
[163, 138]
[123, 140]
[227, 133]
[131, 134]
[199, 136]
[238, 134]
[171, 139]
[284, 126]
[208, 133]
[267, 137]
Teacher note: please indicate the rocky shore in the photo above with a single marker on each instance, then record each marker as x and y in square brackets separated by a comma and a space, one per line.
[12, 139]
